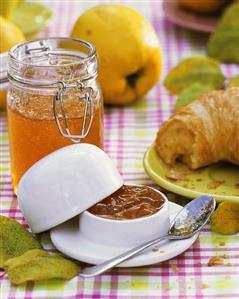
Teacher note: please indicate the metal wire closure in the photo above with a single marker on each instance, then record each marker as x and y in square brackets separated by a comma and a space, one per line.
[89, 107]
[43, 47]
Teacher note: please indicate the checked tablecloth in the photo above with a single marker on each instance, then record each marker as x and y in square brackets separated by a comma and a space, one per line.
[128, 133]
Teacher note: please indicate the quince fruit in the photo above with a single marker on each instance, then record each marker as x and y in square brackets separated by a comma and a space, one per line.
[10, 35]
[7, 8]
[202, 6]
[225, 220]
[128, 49]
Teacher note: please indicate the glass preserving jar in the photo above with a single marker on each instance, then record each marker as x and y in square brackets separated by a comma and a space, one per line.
[53, 100]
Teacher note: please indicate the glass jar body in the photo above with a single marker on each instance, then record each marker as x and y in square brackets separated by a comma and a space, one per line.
[33, 131]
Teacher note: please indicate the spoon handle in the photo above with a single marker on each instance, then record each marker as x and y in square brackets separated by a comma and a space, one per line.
[98, 269]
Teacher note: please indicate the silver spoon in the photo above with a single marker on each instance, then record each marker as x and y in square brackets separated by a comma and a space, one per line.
[185, 224]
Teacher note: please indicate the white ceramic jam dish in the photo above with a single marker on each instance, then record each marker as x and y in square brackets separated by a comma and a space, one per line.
[117, 230]
[79, 177]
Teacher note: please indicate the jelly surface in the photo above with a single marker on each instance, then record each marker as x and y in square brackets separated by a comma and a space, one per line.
[129, 202]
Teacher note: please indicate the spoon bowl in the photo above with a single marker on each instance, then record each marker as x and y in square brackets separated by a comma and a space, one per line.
[192, 217]
[186, 223]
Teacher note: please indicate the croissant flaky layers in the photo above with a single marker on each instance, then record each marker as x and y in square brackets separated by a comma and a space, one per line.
[203, 132]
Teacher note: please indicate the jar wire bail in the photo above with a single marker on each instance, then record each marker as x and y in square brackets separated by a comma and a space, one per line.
[89, 108]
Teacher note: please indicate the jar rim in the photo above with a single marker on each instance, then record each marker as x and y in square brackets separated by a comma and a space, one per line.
[88, 45]
[33, 58]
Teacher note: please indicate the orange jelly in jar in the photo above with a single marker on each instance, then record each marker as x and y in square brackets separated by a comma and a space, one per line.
[54, 100]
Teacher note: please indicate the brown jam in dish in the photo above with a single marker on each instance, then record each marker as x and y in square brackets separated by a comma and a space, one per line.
[129, 202]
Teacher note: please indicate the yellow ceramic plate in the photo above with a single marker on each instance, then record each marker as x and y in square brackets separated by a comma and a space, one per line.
[202, 181]
[31, 17]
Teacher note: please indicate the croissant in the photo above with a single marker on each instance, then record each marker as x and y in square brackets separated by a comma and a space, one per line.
[203, 132]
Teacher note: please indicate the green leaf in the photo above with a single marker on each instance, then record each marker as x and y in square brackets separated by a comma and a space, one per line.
[233, 82]
[15, 240]
[224, 42]
[191, 93]
[37, 265]
[196, 69]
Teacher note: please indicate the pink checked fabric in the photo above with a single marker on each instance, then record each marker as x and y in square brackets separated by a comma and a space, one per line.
[128, 133]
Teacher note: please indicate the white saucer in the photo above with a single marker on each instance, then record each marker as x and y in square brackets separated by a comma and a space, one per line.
[68, 239]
